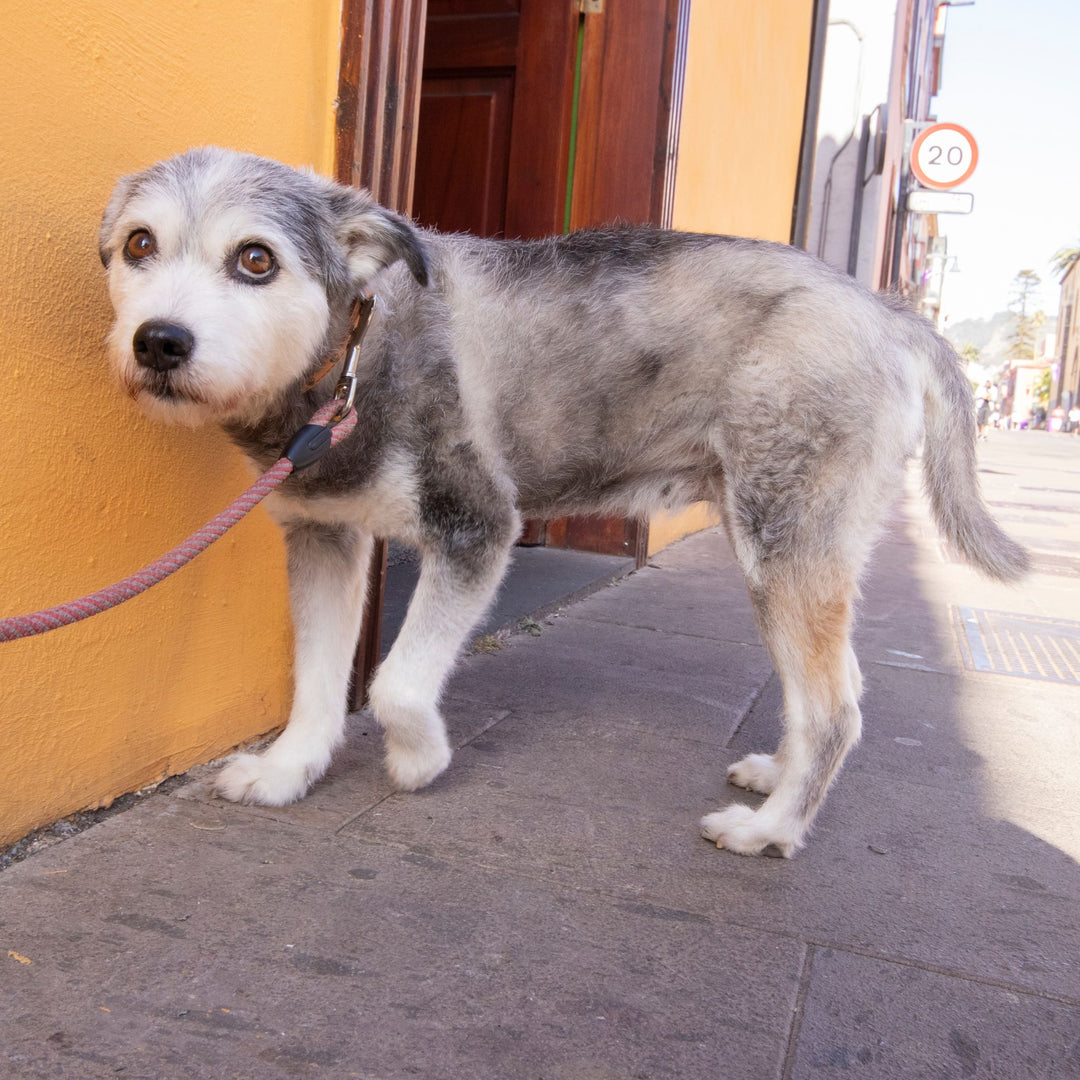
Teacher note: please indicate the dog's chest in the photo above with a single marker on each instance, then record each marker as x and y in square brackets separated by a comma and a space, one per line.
[384, 507]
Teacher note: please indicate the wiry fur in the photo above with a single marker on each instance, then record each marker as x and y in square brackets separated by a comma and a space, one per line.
[617, 370]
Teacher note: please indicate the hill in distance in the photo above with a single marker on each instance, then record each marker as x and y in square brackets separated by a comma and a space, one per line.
[991, 336]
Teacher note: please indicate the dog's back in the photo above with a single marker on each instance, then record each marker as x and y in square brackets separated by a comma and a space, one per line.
[628, 368]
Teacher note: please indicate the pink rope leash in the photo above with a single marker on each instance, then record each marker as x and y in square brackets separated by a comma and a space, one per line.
[39, 622]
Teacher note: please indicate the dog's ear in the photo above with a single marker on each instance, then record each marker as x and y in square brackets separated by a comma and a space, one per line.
[374, 237]
[124, 186]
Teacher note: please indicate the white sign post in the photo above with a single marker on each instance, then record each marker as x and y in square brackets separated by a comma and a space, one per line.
[940, 202]
[944, 156]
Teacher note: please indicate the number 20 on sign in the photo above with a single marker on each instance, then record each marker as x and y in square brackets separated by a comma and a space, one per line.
[943, 156]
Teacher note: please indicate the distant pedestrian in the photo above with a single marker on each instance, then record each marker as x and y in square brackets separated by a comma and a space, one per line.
[1074, 420]
[986, 399]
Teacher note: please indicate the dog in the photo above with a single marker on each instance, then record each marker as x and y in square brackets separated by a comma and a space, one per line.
[619, 370]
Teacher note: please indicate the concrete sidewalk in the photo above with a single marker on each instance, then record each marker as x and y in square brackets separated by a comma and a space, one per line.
[547, 910]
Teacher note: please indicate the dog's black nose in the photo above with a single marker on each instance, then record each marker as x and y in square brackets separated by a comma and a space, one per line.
[162, 345]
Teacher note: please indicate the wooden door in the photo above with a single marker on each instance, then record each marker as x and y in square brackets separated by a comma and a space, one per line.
[495, 114]
[534, 119]
[633, 58]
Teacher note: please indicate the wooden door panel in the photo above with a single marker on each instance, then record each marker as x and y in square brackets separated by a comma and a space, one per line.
[497, 167]
[626, 105]
[621, 164]
[441, 8]
[531, 45]
[543, 107]
[604, 535]
[466, 131]
[460, 41]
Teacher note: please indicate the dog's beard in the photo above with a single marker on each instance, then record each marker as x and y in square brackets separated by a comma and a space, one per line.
[175, 398]
[166, 387]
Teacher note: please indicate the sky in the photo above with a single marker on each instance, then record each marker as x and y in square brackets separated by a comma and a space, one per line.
[1010, 77]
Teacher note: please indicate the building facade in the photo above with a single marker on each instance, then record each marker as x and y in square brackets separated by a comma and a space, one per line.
[1065, 389]
[882, 68]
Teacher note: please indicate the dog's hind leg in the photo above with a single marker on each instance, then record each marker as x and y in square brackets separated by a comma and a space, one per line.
[327, 580]
[806, 626]
[456, 586]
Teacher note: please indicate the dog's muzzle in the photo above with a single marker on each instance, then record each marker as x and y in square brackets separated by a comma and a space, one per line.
[161, 345]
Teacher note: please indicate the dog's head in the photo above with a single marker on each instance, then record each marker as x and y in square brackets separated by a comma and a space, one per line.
[231, 276]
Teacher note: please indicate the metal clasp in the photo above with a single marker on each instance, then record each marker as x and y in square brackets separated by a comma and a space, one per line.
[345, 391]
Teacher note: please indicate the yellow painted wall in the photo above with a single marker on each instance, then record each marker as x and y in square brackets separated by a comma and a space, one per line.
[665, 528]
[742, 114]
[89, 490]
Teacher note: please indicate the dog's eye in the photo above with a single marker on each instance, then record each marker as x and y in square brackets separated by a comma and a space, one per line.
[255, 261]
[140, 244]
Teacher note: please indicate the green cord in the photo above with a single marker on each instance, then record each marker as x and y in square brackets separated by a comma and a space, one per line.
[574, 124]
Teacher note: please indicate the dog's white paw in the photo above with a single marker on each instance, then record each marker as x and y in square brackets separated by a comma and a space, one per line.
[262, 779]
[740, 829]
[414, 762]
[756, 772]
[417, 749]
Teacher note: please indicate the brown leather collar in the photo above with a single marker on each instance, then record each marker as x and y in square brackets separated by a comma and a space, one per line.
[355, 316]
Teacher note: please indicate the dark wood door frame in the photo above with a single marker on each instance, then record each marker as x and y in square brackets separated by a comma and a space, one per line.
[378, 102]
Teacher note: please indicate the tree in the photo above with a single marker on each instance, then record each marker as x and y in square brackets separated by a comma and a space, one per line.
[1062, 260]
[1041, 389]
[1022, 337]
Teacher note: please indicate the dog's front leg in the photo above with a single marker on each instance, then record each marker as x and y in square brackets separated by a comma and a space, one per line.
[327, 579]
[451, 596]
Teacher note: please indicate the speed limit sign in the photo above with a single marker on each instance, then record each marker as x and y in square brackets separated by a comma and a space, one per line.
[943, 156]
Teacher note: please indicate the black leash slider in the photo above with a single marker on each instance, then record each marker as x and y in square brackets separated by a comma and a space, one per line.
[308, 445]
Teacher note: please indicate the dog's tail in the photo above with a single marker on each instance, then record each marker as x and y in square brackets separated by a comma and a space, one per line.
[950, 474]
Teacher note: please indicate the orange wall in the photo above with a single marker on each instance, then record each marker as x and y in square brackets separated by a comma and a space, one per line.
[90, 491]
[742, 115]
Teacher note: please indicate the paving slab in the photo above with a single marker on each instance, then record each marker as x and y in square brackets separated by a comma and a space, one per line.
[356, 780]
[674, 598]
[955, 1028]
[539, 580]
[987, 734]
[318, 956]
[687, 684]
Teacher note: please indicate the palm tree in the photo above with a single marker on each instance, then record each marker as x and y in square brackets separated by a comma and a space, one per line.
[1061, 262]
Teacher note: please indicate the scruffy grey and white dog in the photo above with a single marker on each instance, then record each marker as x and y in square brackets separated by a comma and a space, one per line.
[611, 371]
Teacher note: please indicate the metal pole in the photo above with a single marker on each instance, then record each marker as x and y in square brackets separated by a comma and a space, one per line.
[800, 216]
[857, 200]
[898, 232]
